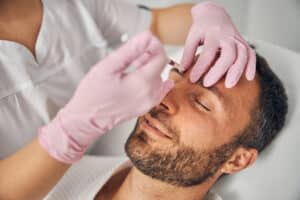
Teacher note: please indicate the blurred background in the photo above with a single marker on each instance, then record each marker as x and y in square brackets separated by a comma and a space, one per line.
[276, 21]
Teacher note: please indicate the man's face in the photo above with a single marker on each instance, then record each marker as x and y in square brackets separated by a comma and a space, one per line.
[192, 132]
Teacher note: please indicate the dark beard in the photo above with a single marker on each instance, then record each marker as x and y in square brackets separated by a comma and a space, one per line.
[177, 165]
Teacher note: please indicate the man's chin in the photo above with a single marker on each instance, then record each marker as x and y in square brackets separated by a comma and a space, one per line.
[153, 161]
[137, 142]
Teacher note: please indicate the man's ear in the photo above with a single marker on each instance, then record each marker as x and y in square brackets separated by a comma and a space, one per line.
[241, 159]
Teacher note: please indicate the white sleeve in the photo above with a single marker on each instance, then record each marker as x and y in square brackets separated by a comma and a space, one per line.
[119, 20]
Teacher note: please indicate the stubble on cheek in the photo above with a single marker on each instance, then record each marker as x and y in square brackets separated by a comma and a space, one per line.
[175, 164]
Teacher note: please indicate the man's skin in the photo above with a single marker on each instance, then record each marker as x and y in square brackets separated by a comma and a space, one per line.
[197, 128]
[31, 173]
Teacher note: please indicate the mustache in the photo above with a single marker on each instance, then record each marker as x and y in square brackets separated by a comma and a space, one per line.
[162, 116]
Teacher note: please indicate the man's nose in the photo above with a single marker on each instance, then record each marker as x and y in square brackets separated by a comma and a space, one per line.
[169, 104]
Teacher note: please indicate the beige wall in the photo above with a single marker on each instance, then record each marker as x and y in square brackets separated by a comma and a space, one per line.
[276, 21]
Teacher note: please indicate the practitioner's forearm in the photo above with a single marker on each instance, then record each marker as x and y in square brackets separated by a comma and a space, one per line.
[29, 174]
[171, 25]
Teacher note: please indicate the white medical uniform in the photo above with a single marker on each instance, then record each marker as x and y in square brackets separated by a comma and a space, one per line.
[74, 35]
[86, 178]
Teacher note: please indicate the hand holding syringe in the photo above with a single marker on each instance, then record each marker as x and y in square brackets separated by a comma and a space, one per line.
[108, 95]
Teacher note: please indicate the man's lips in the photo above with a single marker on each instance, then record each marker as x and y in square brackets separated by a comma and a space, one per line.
[157, 125]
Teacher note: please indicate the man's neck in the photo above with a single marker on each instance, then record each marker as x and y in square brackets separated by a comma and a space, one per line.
[138, 186]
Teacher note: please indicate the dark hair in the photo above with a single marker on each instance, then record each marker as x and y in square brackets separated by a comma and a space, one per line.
[268, 116]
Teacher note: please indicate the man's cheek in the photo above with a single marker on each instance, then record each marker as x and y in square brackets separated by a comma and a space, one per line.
[197, 135]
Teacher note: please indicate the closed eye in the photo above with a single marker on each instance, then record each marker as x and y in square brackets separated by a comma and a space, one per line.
[194, 98]
[202, 105]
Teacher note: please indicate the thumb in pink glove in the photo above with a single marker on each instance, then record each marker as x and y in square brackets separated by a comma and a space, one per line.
[213, 28]
[108, 95]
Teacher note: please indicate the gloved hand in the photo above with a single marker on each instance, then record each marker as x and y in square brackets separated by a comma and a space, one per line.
[213, 28]
[108, 95]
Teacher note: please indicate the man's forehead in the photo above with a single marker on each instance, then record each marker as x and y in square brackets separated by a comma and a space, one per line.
[245, 91]
[243, 82]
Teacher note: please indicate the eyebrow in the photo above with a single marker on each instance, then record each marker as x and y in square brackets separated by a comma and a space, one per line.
[173, 69]
[216, 91]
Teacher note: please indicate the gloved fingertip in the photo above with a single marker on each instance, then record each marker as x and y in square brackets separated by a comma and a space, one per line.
[251, 68]
[230, 83]
[232, 79]
[206, 84]
[251, 75]
[208, 81]
[194, 77]
[182, 66]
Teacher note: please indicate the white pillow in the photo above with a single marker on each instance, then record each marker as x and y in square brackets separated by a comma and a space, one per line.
[274, 176]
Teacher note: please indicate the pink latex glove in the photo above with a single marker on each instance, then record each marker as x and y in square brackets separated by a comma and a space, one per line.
[213, 28]
[108, 95]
